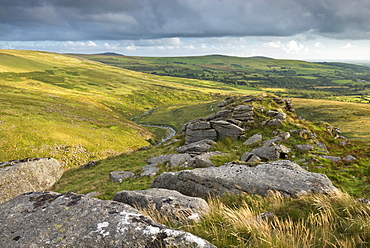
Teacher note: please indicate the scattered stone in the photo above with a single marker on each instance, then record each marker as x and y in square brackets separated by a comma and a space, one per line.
[271, 113]
[48, 219]
[282, 176]
[271, 153]
[183, 160]
[171, 142]
[304, 147]
[281, 116]
[204, 160]
[349, 159]
[197, 147]
[331, 158]
[168, 202]
[256, 138]
[226, 102]
[322, 146]
[274, 122]
[220, 115]
[159, 159]
[150, 171]
[31, 174]
[119, 176]
[89, 164]
[250, 158]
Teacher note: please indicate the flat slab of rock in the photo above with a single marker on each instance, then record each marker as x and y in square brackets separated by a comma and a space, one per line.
[48, 219]
[226, 129]
[253, 139]
[197, 147]
[204, 160]
[169, 202]
[283, 176]
[32, 174]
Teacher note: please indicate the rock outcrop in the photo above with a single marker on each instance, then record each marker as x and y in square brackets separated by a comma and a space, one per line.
[168, 202]
[31, 174]
[48, 219]
[282, 176]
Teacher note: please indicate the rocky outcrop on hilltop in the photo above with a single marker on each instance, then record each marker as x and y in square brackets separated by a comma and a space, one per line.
[48, 219]
[31, 174]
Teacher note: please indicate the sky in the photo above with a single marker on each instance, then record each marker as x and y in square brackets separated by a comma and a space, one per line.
[284, 29]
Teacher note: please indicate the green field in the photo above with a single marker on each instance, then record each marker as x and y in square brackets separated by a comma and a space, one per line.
[303, 79]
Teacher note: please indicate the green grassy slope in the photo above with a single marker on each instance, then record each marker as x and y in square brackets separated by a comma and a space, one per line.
[77, 110]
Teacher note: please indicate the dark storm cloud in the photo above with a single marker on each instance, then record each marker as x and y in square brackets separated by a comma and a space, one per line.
[149, 19]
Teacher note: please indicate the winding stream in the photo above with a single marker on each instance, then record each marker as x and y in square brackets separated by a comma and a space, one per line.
[168, 136]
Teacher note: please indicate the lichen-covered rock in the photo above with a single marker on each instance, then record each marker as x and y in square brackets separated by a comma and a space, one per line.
[31, 174]
[184, 160]
[304, 147]
[48, 219]
[119, 176]
[168, 202]
[282, 176]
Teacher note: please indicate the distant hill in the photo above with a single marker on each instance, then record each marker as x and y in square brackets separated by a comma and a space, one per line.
[110, 54]
[288, 78]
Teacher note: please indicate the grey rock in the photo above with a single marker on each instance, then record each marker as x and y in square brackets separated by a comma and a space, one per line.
[225, 129]
[197, 147]
[184, 160]
[304, 147]
[274, 122]
[250, 158]
[253, 139]
[331, 158]
[89, 164]
[119, 176]
[168, 202]
[48, 219]
[271, 113]
[281, 116]
[284, 136]
[159, 159]
[204, 160]
[271, 153]
[220, 115]
[198, 135]
[243, 113]
[31, 174]
[226, 102]
[322, 146]
[282, 176]
[150, 171]
[199, 124]
[273, 141]
[349, 159]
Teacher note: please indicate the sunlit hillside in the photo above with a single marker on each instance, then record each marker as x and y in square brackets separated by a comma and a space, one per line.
[78, 110]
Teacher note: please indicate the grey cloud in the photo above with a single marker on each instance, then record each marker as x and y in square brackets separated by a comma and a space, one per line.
[150, 19]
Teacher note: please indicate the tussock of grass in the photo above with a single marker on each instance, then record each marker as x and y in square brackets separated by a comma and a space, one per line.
[323, 221]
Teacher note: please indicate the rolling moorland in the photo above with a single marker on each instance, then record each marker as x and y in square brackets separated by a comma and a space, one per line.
[76, 110]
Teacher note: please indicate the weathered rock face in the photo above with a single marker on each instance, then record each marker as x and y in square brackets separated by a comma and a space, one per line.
[226, 129]
[199, 129]
[282, 176]
[21, 176]
[169, 202]
[47, 219]
[271, 153]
